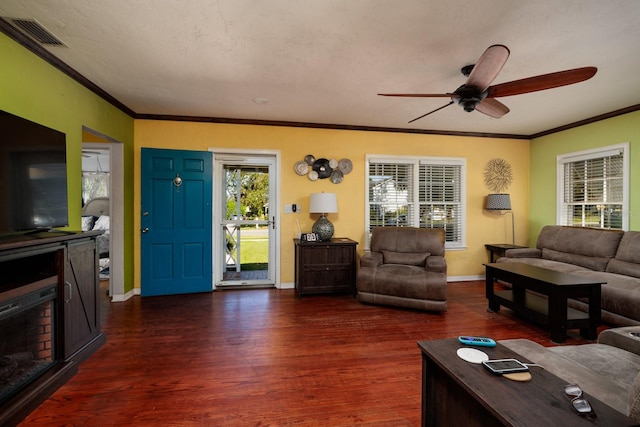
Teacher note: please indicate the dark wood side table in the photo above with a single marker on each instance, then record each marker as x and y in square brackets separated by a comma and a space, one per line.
[498, 250]
[325, 267]
[459, 393]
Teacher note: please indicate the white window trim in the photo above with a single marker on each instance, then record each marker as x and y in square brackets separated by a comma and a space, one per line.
[417, 161]
[609, 150]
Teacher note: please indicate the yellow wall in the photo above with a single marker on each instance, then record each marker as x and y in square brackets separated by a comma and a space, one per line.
[294, 143]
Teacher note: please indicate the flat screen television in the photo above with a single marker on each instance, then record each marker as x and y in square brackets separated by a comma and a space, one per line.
[33, 176]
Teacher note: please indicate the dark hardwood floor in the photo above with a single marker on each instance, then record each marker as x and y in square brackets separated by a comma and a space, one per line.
[266, 358]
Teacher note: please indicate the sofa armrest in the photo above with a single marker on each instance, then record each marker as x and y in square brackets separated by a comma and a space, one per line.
[622, 338]
[371, 259]
[523, 253]
[437, 264]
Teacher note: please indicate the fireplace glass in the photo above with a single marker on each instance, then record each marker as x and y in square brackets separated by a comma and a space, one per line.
[27, 338]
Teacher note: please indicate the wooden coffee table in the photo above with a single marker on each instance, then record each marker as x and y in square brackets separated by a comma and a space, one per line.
[551, 311]
[459, 393]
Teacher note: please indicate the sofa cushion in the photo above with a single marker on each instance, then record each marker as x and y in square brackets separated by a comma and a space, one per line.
[590, 262]
[629, 248]
[624, 268]
[584, 241]
[408, 258]
[414, 282]
[616, 364]
[547, 263]
[626, 338]
[620, 295]
[633, 408]
[408, 239]
[586, 371]
[371, 259]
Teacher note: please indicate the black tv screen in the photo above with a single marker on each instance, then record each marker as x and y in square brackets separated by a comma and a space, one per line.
[33, 175]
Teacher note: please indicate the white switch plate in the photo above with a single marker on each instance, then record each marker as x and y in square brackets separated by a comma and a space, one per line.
[290, 208]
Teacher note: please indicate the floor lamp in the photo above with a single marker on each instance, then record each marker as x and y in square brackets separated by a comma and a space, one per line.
[502, 202]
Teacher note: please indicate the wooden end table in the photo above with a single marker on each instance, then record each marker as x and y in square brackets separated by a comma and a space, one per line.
[551, 311]
[459, 393]
[497, 250]
[325, 266]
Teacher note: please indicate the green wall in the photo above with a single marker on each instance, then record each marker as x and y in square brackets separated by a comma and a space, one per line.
[37, 91]
[625, 128]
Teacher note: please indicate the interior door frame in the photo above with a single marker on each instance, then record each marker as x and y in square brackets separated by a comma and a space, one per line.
[274, 208]
[116, 213]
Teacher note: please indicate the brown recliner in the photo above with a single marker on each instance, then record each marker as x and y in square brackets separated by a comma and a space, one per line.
[406, 268]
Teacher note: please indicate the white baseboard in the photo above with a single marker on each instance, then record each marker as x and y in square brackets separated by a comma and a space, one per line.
[288, 285]
[464, 278]
[125, 296]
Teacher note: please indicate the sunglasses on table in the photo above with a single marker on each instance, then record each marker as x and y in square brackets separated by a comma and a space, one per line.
[578, 402]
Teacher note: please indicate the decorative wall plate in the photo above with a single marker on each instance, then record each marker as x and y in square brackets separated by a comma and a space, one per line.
[321, 166]
[336, 176]
[345, 166]
[302, 168]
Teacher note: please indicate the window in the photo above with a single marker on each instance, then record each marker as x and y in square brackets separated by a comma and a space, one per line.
[95, 184]
[417, 192]
[593, 188]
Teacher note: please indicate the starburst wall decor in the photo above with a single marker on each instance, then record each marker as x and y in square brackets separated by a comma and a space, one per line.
[498, 175]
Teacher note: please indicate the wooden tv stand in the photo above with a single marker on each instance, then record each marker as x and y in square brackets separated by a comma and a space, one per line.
[68, 261]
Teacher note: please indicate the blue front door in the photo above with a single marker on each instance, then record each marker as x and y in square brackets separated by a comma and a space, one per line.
[176, 189]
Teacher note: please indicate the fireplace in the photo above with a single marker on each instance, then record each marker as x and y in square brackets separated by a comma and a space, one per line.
[28, 339]
[49, 315]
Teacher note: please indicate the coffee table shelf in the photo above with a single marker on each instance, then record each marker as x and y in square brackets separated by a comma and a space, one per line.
[537, 308]
[551, 311]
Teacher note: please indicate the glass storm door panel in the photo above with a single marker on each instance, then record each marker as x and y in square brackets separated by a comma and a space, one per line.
[247, 225]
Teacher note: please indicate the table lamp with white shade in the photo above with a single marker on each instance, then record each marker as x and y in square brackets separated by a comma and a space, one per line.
[323, 203]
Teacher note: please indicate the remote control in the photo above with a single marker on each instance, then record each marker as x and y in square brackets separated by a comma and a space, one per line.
[480, 341]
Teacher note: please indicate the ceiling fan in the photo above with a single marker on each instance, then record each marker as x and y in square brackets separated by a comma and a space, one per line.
[478, 94]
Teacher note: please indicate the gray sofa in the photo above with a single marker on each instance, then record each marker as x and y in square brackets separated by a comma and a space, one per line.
[608, 370]
[405, 268]
[612, 256]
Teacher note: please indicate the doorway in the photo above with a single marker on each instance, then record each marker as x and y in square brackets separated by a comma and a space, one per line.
[246, 220]
[111, 153]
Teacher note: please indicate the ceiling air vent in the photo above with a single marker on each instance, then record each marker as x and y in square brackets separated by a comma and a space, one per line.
[36, 31]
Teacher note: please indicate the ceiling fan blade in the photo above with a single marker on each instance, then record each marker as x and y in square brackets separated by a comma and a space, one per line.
[488, 67]
[492, 108]
[542, 82]
[430, 112]
[420, 95]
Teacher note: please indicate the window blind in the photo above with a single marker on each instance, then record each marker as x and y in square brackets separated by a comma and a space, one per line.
[417, 192]
[593, 193]
[390, 194]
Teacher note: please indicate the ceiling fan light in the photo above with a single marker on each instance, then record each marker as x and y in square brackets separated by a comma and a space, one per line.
[469, 104]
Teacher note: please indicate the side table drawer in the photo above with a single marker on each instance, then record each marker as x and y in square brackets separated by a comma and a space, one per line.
[326, 255]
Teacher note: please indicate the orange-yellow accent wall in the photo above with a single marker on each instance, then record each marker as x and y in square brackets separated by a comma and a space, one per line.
[294, 143]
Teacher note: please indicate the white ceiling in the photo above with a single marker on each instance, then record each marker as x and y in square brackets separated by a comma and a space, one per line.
[95, 160]
[324, 61]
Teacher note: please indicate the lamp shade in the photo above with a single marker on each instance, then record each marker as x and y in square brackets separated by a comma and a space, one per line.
[323, 203]
[498, 202]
